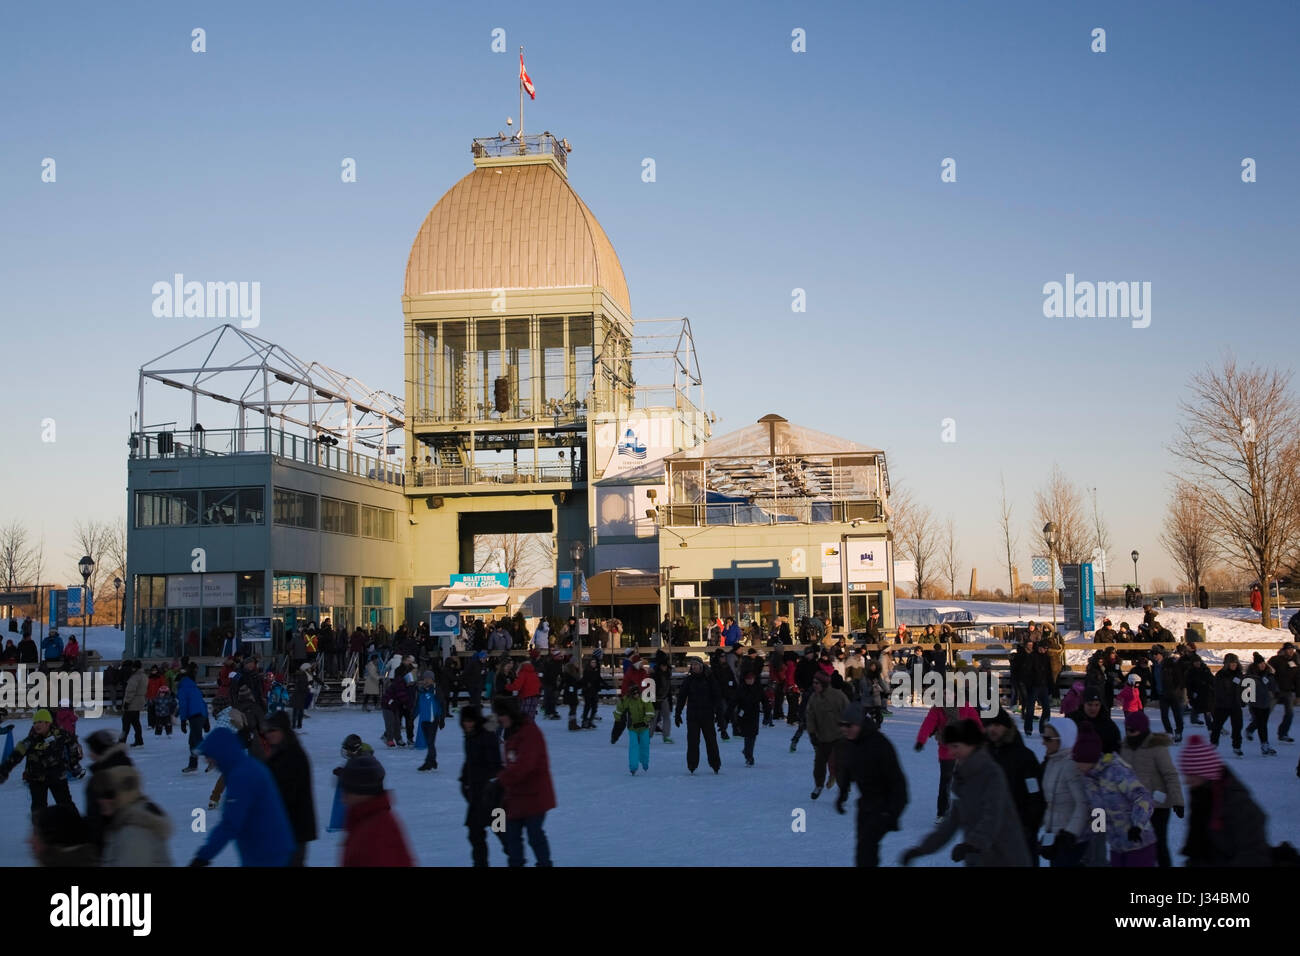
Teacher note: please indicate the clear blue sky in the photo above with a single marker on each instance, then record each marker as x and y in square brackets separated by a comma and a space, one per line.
[776, 170]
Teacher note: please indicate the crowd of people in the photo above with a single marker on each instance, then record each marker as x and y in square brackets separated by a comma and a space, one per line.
[1002, 803]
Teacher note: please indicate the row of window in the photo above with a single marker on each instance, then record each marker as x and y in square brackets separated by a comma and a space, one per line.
[173, 508]
[298, 509]
[178, 508]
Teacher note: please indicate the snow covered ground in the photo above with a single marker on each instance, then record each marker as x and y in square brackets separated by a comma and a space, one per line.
[1222, 625]
[607, 817]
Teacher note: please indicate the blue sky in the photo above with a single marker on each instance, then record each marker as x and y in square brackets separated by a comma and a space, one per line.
[775, 170]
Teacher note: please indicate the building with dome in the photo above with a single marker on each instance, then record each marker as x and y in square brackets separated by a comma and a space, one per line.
[533, 404]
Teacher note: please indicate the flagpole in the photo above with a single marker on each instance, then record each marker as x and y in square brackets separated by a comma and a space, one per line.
[521, 96]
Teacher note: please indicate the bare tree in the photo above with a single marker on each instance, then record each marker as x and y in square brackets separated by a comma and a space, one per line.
[17, 557]
[527, 557]
[1100, 543]
[917, 535]
[1188, 535]
[115, 561]
[1010, 540]
[1058, 501]
[1240, 438]
[949, 559]
[91, 538]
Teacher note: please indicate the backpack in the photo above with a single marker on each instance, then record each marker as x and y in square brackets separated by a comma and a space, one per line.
[277, 700]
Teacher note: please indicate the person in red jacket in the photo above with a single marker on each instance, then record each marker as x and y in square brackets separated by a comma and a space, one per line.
[157, 680]
[527, 687]
[525, 781]
[374, 834]
[937, 719]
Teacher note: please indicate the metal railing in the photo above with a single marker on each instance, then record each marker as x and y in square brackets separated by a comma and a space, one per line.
[217, 442]
[498, 475]
[779, 511]
[538, 143]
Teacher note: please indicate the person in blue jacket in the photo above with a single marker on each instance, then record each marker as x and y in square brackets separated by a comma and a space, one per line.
[52, 650]
[430, 709]
[192, 709]
[253, 814]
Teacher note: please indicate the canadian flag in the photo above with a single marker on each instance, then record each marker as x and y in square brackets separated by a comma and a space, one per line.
[525, 81]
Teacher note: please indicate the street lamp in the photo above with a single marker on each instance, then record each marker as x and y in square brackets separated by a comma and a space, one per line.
[1049, 535]
[1134, 556]
[575, 552]
[86, 566]
[117, 590]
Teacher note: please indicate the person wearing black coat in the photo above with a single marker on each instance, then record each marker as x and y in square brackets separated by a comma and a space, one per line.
[700, 697]
[1093, 711]
[1024, 776]
[471, 675]
[1021, 658]
[27, 650]
[291, 770]
[591, 688]
[1038, 681]
[725, 676]
[1170, 676]
[750, 702]
[1203, 598]
[866, 757]
[299, 686]
[482, 763]
[1227, 702]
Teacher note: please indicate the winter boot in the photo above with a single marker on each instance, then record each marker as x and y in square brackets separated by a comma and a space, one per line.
[1285, 739]
[1268, 751]
[573, 724]
[1250, 733]
[1236, 752]
[816, 793]
[726, 736]
[427, 765]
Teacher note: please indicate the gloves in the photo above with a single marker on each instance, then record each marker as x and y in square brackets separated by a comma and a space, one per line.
[920, 745]
[678, 722]
[909, 855]
[1134, 834]
[961, 851]
[1178, 811]
[197, 862]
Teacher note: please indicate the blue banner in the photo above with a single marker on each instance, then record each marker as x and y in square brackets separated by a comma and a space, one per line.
[1087, 599]
[74, 602]
[564, 588]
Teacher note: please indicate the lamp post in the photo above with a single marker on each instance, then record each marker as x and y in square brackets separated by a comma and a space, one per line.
[575, 552]
[86, 566]
[1134, 556]
[117, 591]
[1049, 535]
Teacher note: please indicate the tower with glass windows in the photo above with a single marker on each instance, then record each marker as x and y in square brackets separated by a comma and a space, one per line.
[518, 334]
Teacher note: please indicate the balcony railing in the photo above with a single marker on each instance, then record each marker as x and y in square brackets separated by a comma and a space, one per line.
[780, 511]
[511, 146]
[217, 442]
[498, 475]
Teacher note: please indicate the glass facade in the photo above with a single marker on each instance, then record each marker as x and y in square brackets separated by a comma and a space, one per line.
[192, 614]
[208, 506]
[295, 509]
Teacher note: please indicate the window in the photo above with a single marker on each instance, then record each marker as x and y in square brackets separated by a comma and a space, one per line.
[338, 517]
[376, 523]
[166, 509]
[295, 509]
[232, 506]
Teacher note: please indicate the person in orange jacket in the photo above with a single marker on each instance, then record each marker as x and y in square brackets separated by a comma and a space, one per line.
[527, 687]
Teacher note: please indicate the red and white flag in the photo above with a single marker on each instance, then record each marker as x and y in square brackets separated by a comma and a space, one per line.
[525, 81]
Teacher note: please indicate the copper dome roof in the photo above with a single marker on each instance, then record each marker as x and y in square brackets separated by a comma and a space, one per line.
[513, 227]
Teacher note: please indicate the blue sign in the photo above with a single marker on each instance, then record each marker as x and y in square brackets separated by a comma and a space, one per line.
[564, 588]
[631, 446]
[480, 580]
[58, 609]
[74, 602]
[1087, 606]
